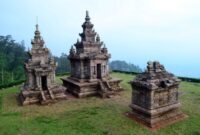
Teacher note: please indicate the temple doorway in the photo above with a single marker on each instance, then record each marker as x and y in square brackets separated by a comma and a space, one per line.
[98, 71]
[44, 82]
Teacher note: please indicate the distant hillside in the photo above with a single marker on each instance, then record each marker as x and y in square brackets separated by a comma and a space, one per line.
[124, 66]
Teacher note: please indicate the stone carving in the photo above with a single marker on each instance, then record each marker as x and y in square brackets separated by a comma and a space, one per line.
[155, 96]
[40, 70]
[89, 66]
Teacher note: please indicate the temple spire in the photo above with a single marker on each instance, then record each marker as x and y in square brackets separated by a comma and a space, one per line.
[87, 18]
[37, 38]
[36, 19]
[37, 33]
[88, 33]
[36, 27]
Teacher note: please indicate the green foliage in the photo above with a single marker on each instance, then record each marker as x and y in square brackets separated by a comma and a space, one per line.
[92, 115]
[10, 84]
[125, 72]
[12, 57]
[62, 74]
[63, 64]
[124, 66]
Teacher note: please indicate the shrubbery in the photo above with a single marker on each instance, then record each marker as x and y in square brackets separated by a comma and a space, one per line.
[10, 84]
[12, 57]
[62, 74]
[126, 72]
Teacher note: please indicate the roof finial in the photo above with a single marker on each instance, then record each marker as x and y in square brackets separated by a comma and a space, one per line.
[37, 23]
[36, 27]
[87, 18]
[36, 19]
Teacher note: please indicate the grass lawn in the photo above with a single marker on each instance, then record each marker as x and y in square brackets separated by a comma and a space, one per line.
[91, 116]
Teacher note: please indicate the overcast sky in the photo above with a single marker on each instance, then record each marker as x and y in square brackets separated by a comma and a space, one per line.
[133, 30]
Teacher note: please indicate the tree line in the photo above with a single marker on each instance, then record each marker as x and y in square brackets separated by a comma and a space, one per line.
[14, 54]
[12, 57]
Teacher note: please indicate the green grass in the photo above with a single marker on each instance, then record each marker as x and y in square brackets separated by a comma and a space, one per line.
[91, 116]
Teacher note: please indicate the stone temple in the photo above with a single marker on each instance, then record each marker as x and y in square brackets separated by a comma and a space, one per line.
[155, 97]
[89, 66]
[40, 70]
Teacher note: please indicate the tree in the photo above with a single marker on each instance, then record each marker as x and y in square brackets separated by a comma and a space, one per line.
[63, 64]
[12, 56]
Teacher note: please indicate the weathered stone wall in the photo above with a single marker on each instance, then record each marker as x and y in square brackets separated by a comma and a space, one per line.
[155, 96]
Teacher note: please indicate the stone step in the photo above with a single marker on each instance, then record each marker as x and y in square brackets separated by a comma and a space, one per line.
[105, 89]
[46, 102]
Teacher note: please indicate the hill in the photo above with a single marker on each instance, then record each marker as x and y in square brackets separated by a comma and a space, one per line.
[91, 115]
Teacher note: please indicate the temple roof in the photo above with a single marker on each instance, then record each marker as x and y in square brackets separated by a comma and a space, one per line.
[37, 41]
[88, 33]
[155, 77]
[90, 45]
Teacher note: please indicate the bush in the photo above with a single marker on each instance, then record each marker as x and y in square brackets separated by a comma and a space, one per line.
[62, 74]
[125, 72]
[10, 84]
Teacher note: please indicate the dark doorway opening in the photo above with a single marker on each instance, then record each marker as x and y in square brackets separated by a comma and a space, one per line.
[98, 71]
[44, 82]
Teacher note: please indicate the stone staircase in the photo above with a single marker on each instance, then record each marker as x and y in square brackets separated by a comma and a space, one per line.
[105, 91]
[46, 97]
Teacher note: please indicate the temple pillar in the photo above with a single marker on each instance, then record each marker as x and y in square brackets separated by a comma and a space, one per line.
[107, 69]
[151, 98]
[54, 77]
[72, 67]
[82, 70]
[30, 79]
[91, 71]
[37, 81]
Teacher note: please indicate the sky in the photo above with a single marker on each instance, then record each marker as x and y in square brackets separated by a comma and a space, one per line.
[136, 31]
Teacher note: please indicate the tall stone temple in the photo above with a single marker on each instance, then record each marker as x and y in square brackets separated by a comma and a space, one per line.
[155, 97]
[89, 66]
[40, 85]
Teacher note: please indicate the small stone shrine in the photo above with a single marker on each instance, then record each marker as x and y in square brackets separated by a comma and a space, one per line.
[89, 66]
[40, 70]
[155, 97]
